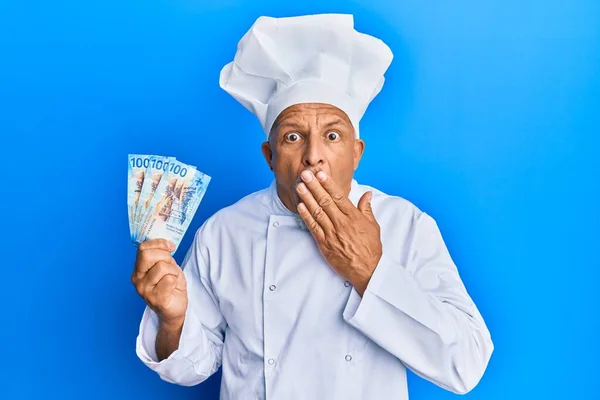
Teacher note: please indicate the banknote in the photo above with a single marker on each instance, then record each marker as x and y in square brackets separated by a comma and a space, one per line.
[136, 171]
[144, 217]
[174, 203]
[157, 165]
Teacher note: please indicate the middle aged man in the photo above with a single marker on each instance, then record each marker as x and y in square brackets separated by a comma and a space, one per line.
[316, 287]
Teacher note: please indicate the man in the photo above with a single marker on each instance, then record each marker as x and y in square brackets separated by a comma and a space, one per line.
[316, 287]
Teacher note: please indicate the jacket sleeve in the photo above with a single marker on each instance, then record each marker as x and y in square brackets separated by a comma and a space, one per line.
[199, 354]
[421, 313]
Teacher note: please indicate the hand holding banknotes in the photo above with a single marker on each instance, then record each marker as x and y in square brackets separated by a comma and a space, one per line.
[163, 195]
[160, 281]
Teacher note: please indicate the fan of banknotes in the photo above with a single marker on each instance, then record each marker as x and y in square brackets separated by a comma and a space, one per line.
[163, 195]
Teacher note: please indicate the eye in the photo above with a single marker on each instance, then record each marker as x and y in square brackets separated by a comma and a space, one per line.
[333, 136]
[292, 137]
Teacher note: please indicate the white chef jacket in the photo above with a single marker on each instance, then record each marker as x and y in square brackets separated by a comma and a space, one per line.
[265, 305]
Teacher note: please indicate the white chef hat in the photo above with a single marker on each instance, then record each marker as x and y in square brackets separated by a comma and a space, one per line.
[308, 59]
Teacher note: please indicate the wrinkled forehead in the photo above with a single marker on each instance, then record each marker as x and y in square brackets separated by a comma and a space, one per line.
[312, 115]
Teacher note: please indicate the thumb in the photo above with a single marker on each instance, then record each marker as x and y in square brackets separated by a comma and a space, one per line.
[364, 205]
[181, 282]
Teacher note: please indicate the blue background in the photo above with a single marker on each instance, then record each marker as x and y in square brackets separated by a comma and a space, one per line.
[489, 121]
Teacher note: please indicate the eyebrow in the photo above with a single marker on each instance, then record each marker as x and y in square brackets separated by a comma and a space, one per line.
[289, 124]
[296, 126]
[334, 122]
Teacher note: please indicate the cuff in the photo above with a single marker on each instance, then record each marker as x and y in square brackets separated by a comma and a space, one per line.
[356, 305]
[146, 340]
[392, 283]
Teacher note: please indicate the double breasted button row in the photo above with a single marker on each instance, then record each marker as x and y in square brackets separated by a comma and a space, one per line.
[271, 361]
[273, 287]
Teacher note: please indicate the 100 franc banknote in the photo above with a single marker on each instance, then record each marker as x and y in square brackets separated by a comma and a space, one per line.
[157, 166]
[136, 170]
[173, 203]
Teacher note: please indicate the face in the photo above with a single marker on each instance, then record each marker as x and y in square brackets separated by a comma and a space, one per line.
[315, 137]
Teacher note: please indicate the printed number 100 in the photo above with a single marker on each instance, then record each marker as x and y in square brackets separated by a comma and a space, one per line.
[139, 162]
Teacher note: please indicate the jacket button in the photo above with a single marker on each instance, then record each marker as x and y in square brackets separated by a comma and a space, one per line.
[275, 224]
[347, 284]
[348, 357]
[272, 287]
[271, 361]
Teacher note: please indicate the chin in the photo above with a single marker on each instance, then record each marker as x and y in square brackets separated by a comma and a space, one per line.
[295, 199]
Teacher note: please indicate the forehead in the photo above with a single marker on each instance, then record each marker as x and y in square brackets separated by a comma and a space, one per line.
[309, 113]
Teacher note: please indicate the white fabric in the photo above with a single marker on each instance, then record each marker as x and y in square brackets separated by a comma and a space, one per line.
[265, 306]
[309, 59]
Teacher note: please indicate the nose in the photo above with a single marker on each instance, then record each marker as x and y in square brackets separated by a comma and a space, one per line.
[314, 154]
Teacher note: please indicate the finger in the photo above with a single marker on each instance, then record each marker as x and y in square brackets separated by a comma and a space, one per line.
[147, 258]
[338, 195]
[163, 289]
[156, 273]
[364, 205]
[310, 223]
[314, 208]
[323, 198]
[162, 244]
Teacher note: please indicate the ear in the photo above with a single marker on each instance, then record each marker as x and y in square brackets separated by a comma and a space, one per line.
[359, 148]
[268, 154]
